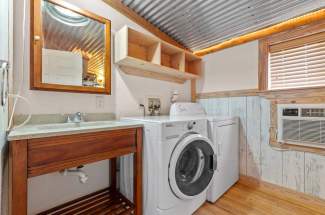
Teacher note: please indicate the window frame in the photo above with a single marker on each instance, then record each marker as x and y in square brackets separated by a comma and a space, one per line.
[264, 48]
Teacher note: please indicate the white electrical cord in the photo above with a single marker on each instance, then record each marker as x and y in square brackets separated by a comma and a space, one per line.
[18, 96]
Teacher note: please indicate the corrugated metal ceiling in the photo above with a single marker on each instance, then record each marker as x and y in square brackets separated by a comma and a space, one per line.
[199, 24]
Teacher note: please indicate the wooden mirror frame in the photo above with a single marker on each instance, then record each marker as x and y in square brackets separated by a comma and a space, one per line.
[36, 51]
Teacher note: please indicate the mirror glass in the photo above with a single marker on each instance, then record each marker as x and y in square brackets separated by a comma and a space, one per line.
[73, 47]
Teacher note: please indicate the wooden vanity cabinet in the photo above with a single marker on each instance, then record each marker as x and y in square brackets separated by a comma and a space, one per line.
[34, 157]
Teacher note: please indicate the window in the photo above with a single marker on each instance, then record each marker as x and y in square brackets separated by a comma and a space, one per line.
[294, 59]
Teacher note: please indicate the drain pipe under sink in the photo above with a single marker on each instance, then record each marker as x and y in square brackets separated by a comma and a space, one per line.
[83, 177]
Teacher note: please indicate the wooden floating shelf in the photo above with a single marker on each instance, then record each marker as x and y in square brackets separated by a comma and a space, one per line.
[105, 201]
[142, 55]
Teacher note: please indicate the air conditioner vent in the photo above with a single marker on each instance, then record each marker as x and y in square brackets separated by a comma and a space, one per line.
[291, 130]
[309, 131]
[304, 131]
[322, 132]
[312, 112]
[306, 126]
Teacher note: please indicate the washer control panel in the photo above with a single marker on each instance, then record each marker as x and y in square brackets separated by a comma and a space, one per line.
[173, 130]
[190, 125]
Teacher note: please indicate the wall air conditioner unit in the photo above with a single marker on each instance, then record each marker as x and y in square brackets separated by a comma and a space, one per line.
[302, 124]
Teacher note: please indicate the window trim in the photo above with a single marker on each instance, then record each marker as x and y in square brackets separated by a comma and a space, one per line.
[264, 47]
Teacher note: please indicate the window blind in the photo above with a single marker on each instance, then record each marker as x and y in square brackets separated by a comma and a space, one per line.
[297, 63]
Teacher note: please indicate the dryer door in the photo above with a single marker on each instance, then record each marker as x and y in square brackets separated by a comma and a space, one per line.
[191, 166]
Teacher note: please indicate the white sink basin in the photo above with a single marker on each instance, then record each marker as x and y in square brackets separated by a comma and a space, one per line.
[73, 125]
[50, 130]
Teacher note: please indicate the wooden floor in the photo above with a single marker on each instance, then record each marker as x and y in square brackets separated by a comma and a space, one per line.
[251, 197]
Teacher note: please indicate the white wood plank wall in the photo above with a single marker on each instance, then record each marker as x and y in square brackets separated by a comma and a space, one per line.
[304, 172]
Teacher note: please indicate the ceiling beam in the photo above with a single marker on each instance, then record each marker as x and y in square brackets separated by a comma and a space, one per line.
[283, 26]
[119, 6]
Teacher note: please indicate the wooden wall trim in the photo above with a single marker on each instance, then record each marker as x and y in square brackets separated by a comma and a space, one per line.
[283, 26]
[290, 147]
[303, 95]
[315, 93]
[263, 53]
[232, 93]
[117, 5]
[193, 90]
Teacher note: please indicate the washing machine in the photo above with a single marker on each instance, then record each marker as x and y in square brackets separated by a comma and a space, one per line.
[223, 132]
[178, 164]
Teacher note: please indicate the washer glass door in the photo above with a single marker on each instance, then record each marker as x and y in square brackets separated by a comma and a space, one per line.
[194, 167]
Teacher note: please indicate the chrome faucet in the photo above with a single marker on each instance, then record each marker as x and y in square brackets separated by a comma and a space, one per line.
[76, 118]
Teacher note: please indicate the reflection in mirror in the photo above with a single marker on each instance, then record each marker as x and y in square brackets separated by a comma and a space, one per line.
[73, 51]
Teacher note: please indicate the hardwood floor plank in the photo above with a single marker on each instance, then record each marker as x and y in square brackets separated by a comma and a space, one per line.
[211, 209]
[268, 202]
[252, 197]
[291, 196]
[238, 207]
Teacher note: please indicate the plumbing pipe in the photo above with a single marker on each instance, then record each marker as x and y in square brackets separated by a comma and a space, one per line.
[174, 97]
[83, 177]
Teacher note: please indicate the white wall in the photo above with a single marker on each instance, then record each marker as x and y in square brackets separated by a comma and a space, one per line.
[4, 30]
[127, 92]
[234, 68]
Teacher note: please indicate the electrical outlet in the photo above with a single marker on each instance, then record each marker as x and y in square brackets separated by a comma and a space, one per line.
[100, 103]
[154, 106]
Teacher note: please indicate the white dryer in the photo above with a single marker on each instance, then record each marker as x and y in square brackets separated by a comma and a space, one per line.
[179, 164]
[224, 134]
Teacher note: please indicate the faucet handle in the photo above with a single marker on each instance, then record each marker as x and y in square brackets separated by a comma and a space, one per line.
[80, 116]
[69, 119]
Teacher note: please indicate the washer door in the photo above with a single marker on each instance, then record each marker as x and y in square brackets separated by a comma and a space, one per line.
[191, 166]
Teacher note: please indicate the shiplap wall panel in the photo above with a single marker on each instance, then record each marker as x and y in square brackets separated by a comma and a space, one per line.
[315, 175]
[237, 107]
[293, 170]
[271, 160]
[204, 103]
[217, 106]
[253, 137]
[221, 107]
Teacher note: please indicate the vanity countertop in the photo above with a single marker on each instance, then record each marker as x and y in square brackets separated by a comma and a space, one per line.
[59, 129]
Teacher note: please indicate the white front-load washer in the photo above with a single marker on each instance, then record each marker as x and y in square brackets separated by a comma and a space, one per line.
[178, 165]
[224, 134]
